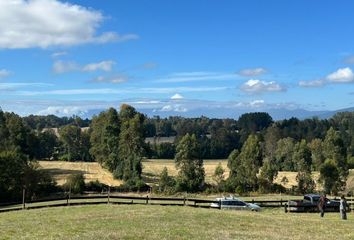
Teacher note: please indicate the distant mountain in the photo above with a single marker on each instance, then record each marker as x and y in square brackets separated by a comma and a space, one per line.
[277, 114]
[221, 111]
[330, 114]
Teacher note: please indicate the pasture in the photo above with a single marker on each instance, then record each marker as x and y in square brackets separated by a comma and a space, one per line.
[92, 171]
[158, 222]
[151, 170]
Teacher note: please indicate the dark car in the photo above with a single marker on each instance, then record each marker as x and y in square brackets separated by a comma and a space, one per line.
[310, 204]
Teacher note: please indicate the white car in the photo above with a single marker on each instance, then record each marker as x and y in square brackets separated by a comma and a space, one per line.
[233, 203]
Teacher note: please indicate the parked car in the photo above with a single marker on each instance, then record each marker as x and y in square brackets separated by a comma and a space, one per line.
[310, 204]
[233, 203]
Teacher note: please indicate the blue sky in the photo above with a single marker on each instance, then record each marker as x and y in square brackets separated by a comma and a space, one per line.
[70, 57]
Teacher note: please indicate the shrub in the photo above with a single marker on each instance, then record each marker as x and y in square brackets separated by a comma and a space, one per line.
[75, 183]
[166, 182]
[96, 186]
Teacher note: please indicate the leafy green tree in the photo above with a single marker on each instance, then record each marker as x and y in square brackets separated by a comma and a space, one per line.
[104, 139]
[218, 175]
[75, 143]
[12, 167]
[37, 181]
[75, 183]
[190, 165]
[335, 150]
[70, 136]
[48, 143]
[166, 182]
[19, 137]
[318, 158]
[303, 160]
[4, 132]
[131, 143]
[271, 138]
[329, 177]
[284, 154]
[269, 170]
[245, 166]
[251, 123]
[233, 163]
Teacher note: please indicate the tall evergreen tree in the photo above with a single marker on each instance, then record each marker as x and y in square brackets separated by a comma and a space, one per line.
[303, 161]
[245, 166]
[329, 177]
[131, 142]
[104, 139]
[190, 165]
[335, 150]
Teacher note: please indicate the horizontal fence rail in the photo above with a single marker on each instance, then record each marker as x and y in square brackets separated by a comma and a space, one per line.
[74, 200]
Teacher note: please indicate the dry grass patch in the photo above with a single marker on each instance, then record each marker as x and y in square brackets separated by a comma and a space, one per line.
[154, 167]
[92, 171]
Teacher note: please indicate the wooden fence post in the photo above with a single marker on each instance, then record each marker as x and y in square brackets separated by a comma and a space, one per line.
[147, 199]
[69, 195]
[184, 201]
[220, 204]
[23, 198]
[67, 199]
[109, 192]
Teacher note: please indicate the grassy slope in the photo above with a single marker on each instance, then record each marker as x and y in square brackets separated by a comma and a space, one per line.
[156, 222]
[92, 171]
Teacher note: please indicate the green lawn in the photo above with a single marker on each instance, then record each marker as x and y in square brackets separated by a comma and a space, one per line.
[157, 222]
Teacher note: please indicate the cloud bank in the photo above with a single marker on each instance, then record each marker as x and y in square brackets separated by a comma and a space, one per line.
[48, 23]
[258, 86]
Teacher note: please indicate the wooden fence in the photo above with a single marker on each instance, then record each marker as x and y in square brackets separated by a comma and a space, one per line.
[121, 199]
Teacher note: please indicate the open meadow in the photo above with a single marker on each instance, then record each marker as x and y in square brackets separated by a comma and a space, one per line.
[157, 222]
[151, 170]
[92, 171]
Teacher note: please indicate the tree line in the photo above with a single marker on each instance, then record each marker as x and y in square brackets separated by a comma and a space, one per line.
[256, 147]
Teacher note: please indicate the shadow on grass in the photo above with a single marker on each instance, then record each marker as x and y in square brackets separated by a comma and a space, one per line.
[59, 171]
[150, 178]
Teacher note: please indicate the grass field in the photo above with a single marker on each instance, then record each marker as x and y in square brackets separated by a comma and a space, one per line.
[92, 171]
[151, 171]
[156, 222]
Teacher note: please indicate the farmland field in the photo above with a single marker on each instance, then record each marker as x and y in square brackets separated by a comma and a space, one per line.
[157, 222]
[151, 171]
[92, 171]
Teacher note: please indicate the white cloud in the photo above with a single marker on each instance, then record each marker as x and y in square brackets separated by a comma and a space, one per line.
[63, 111]
[70, 66]
[63, 67]
[257, 103]
[58, 54]
[314, 83]
[173, 108]
[47, 23]
[13, 86]
[177, 96]
[103, 66]
[196, 76]
[103, 91]
[4, 73]
[258, 86]
[342, 75]
[114, 79]
[251, 72]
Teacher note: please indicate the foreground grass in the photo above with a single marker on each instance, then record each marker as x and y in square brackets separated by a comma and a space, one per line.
[156, 222]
